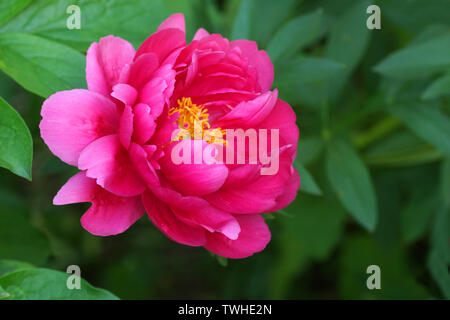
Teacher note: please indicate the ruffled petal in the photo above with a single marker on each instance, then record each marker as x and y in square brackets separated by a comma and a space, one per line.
[109, 214]
[254, 237]
[192, 178]
[73, 119]
[163, 43]
[105, 61]
[163, 218]
[250, 113]
[259, 59]
[107, 161]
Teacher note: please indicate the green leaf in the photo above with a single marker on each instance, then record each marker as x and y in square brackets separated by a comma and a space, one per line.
[307, 70]
[39, 65]
[19, 240]
[351, 181]
[407, 15]
[305, 29]
[303, 80]
[439, 256]
[242, 22]
[16, 145]
[416, 216]
[308, 184]
[45, 284]
[267, 17]
[8, 266]
[427, 122]
[438, 88]
[9, 8]
[348, 42]
[133, 20]
[401, 149]
[417, 61]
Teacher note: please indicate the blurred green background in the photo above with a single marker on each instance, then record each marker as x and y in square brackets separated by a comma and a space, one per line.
[374, 152]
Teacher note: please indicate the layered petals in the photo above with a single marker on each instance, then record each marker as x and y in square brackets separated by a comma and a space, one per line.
[105, 61]
[73, 119]
[109, 214]
[107, 161]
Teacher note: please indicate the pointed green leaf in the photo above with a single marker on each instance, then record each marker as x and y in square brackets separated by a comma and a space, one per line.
[39, 65]
[427, 122]
[351, 181]
[438, 88]
[307, 182]
[305, 29]
[16, 145]
[417, 61]
[45, 284]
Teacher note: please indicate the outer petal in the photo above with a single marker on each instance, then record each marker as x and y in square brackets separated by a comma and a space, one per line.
[73, 119]
[259, 60]
[109, 214]
[163, 218]
[108, 162]
[105, 61]
[200, 34]
[77, 189]
[254, 237]
[290, 192]
[175, 21]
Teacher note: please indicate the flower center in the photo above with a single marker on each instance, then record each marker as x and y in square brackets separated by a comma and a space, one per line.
[193, 122]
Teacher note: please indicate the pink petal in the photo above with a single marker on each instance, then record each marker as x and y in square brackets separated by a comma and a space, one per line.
[73, 119]
[258, 196]
[163, 218]
[196, 211]
[283, 118]
[125, 93]
[144, 124]
[77, 189]
[254, 237]
[175, 21]
[193, 179]
[200, 34]
[289, 193]
[250, 113]
[162, 43]
[108, 162]
[142, 70]
[126, 126]
[105, 61]
[109, 214]
[259, 60]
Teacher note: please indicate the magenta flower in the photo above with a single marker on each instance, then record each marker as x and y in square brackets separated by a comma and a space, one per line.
[119, 133]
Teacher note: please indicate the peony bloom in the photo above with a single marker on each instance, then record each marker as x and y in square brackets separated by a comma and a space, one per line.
[119, 133]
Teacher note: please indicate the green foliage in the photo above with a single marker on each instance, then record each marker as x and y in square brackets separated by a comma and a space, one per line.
[39, 65]
[373, 156]
[45, 284]
[16, 146]
[351, 181]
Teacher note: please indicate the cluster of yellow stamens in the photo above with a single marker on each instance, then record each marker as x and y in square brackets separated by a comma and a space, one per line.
[193, 122]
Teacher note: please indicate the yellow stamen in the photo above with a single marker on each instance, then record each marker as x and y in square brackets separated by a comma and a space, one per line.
[193, 122]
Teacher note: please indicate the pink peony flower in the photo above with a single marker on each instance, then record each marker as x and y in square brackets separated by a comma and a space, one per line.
[119, 133]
